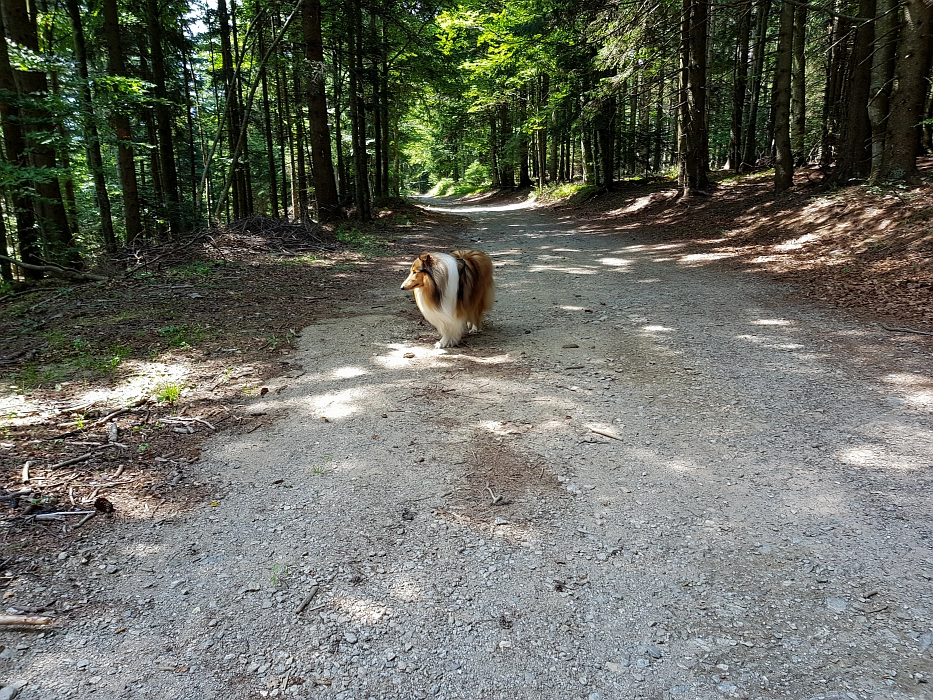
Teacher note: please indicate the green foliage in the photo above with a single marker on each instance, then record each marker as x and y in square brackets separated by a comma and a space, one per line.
[169, 392]
[182, 335]
[570, 190]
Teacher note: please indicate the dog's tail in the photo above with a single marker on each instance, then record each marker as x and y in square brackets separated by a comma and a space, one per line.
[475, 289]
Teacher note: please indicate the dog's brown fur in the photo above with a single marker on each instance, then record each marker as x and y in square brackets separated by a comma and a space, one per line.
[474, 295]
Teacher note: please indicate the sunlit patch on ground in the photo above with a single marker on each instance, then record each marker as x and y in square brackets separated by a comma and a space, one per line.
[916, 390]
[658, 329]
[767, 342]
[349, 372]
[616, 262]
[407, 591]
[364, 612]
[336, 405]
[771, 322]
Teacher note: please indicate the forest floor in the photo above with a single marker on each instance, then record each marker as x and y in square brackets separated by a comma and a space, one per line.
[654, 474]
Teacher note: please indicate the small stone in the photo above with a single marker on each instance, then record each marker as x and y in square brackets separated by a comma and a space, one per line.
[112, 569]
[350, 637]
[837, 605]
[614, 667]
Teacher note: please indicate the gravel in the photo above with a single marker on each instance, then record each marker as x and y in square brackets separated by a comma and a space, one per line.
[762, 528]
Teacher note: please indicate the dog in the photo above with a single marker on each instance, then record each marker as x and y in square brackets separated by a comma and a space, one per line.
[453, 291]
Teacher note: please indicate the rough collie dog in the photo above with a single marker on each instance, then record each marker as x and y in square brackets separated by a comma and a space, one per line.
[452, 291]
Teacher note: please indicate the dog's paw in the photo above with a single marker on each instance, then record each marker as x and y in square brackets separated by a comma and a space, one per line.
[445, 343]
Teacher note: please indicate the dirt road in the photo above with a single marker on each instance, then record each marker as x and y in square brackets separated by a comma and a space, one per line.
[645, 479]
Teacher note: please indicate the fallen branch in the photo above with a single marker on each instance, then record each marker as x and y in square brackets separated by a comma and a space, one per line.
[26, 471]
[25, 620]
[184, 419]
[307, 599]
[58, 271]
[605, 433]
[61, 514]
[904, 330]
[74, 460]
[494, 497]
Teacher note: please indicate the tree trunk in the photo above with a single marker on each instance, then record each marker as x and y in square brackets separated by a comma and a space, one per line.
[837, 61]
[267, 122]
[91, 137]
[882, 72]
[304, 203]
[543, 95]
[694, 157]
[902, 141]
[494, 152]
[739, 87]
[358, 115]
[322, 163]
[750, 141]
[524, 178]
[605, 131]
[854, 159]
[231, 96]
[14, 147]
[163, 115]
[783, 156]
[120, 121]
[32, 87]
[798, 98]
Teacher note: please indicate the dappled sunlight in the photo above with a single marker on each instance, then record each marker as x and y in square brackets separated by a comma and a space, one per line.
[348, 372]
[874, 457]
[771, 322]
[616, 262]
[479, 208]
[401, 355]
[658, 329]
[565, 269]
[336, 405]
[767, 342]
[143, 379]
[915, 390]
[699, 258]
[361, 611]
[406, 590]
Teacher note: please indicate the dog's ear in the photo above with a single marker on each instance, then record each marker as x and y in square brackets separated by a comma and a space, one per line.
[427, 260]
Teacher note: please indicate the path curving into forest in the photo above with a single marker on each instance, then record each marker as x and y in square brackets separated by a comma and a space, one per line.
[646, 478]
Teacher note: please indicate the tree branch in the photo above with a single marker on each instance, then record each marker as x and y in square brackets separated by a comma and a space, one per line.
[57, 271]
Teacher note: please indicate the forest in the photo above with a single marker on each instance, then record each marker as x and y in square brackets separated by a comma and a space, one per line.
[127, 125]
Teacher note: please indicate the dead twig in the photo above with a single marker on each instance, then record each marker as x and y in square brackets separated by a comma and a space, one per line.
[494, 497]
[307, 599]
[605, 433]
[60, 515]
[25, 620]
[58, 271]
[904, 330]
[26, 471]
[73, 460]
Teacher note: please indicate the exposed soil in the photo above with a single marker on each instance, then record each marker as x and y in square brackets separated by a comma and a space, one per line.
[651, 476]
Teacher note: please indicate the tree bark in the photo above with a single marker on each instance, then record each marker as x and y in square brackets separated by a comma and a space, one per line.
[854, 159]
[798, 99]
[358, 115]
[783, 155]
[120, 121]
[750, 141]
[14, 146]
[33, 86]
[524, 177]
[902, 141]
[163, 115]
[267, 122]
[91, 137]
[739, 87]
[322, 163]
[693, 131]
[837, 60]
[882, 72]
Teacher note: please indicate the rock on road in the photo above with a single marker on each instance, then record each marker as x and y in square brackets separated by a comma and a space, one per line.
[646, 478]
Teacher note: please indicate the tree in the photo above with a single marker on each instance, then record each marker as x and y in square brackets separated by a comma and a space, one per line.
[322, 162]
[783, 155]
